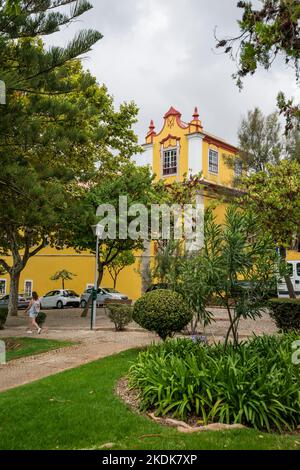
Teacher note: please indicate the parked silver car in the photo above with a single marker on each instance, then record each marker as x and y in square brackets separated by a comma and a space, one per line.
[23, 303]
[103, 294]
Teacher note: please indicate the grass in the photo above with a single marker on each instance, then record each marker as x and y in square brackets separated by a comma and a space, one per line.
[77, 409]
[32, 346]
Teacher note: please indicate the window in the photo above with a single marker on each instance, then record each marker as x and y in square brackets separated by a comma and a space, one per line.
[290, 269]
[2, 287]
[213, 161]
[298, 269]
[70, 293]
[50, 294]
[170, 162]
[238, 168]
[28, 288]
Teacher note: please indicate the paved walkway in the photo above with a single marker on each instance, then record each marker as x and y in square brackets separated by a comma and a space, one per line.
[93, 345]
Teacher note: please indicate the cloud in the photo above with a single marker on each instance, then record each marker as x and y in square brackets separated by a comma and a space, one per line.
[161, 53]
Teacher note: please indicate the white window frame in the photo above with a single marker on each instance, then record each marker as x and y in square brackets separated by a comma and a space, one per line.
[238, 168]
[211, 164]
[164, 151]
[31, 282]
[5, 284]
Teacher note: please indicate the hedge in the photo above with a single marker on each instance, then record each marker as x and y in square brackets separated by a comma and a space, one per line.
[3, 317]
[285, 313]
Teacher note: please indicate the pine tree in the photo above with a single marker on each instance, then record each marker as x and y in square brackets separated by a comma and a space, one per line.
[56, 124]
[22, 26]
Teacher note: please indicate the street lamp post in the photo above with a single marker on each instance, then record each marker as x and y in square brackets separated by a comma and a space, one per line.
[98, 232]
[2, 92]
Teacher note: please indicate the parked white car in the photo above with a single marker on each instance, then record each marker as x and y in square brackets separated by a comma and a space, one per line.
[294, 268]
[60, 298]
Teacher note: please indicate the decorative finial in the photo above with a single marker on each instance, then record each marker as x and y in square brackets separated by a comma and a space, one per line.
[196, 114]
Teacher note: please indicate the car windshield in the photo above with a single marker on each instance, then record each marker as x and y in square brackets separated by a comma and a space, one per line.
[110, 290]
[71, 293]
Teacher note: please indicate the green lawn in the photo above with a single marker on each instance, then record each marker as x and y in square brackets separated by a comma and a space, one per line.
[31, 346]
[77, 409]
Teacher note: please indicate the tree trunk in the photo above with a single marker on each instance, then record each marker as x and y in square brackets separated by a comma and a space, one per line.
[115, 282]
[287, 279]
[290, 287]
[232, 329]
[89, 302]
[63, 284]
[13, 293]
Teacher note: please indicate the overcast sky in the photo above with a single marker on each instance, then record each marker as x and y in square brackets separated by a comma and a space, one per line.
[161, 53]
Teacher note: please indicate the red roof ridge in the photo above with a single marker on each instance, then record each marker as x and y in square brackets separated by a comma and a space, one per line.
[172, 112]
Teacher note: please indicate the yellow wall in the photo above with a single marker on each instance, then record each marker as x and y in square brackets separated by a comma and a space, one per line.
[293, 256]
[226, 175]
[41, 267]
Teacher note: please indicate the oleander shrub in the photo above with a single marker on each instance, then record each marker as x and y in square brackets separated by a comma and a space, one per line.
[255, 384]
[41, 318]
[285, 313]
[162, 311]
[120, 315]
[3, 317]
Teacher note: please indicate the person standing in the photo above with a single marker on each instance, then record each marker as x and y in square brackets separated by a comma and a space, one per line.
[33, 310]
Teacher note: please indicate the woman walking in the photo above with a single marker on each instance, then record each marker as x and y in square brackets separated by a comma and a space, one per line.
[33, 311]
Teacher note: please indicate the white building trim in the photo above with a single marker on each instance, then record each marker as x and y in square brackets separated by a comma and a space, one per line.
[31, 288]
[145, 158]
[195, 153]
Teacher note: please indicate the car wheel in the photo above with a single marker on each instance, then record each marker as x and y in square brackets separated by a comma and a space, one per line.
[60, 305]
[83, 303]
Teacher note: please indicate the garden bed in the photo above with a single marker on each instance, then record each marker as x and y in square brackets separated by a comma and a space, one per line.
[131, 398]
[255, 384]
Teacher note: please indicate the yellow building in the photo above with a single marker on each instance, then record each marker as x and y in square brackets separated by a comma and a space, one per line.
[179, 148]
[182, 148]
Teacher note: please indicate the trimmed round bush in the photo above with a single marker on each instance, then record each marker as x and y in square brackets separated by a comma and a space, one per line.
[286, 314]
[162, 311]
[120, 315]
[3, 317]
[255, 384]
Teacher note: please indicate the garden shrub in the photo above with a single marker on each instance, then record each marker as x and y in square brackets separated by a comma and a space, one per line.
[286, 314]
[254, 384]
[3, 317]
[163, 312]
[41, 318]
[120, 315]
